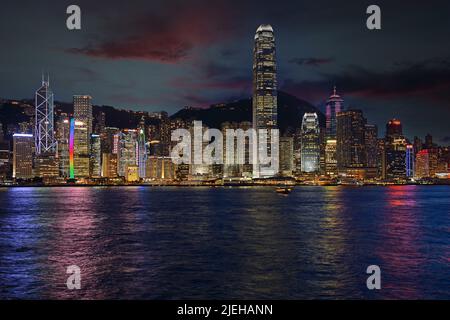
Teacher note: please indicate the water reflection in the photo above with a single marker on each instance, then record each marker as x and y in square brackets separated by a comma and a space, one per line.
[224, 243]
[401, 230]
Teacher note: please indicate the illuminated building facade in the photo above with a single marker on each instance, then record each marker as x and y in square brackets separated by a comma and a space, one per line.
[71, 149]
[142, 150]
[264, 87]
[330, 157]
[410, 161]
[350, 140]
[5, 161]
[62, 139]
[23, 156]
[334, 105]
[395, 151]
[95, 156]
[132, 173]
[81, 148]
[162, 168]
[371, 145]
[422, 164]
[127, 152]
[109, 165]
[82, 111]
[310, 145]
[286, 156]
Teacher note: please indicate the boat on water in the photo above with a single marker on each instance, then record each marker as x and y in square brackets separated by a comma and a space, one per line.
[283, 190]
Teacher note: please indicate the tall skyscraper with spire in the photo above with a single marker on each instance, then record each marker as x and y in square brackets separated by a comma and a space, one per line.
[44, 131]
[264, 84]
[334, 105]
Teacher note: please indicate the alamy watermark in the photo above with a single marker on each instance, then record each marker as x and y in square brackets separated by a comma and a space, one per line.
[206, 146]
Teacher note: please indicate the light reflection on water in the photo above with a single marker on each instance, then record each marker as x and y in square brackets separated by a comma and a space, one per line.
[224, 243]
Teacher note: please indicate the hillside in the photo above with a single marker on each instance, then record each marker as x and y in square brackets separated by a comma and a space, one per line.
[290, 112]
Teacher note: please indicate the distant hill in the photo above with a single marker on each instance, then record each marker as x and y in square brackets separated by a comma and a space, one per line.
[290, 112]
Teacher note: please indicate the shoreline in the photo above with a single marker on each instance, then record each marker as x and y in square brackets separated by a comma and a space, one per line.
[211, 185]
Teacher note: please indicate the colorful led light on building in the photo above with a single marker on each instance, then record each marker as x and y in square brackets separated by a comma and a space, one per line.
[71, 142]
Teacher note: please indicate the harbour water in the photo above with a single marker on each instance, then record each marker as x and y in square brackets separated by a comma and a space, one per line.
[225, 243]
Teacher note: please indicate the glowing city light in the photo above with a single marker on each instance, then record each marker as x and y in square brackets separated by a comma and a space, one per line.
[71, 142]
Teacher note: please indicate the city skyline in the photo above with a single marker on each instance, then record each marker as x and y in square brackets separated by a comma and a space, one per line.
[199, 66]
[345, 149]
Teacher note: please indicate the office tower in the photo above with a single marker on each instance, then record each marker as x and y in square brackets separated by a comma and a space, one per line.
[381, 159]
[162, 168]
[264, 88]
[334, 105]
[82, 111]
[433, 161]
[95, 156]
[350, 142]
[410, 160]
[165, 134]
[23, 156]
[330, 157]
[132, 173]
[100, 123]
[181, 172]
[395, 151]
[142, 149]
[62, 139]
[80, 147]
[422, 164]
[5, 162]
[44, 132]
[394, 129]
[371, 144]
[46, 166]
[110, 140]
[109, 165]
[127, 152]
[286, 156]
[310, 149]
[298, 151]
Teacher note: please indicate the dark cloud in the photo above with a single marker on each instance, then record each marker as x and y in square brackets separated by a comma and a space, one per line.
[445, 139]
[167, 36]
[311, 61]
[429, 79]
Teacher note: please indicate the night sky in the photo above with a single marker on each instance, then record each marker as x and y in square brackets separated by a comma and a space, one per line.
[163, 55]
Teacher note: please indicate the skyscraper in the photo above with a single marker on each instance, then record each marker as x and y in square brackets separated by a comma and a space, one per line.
[410, 161]
[264, 79]
[395, 151]
[286, 156]
[95, 156]
[264, 88]
[44, 132]
[62, 138]
[22, 156]
[127, 155]
[334, 105]
[81, 148]
[310, 145]
[142, 149]
[371, 144]
[350, 143]
[82, 111]
[422, 164]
